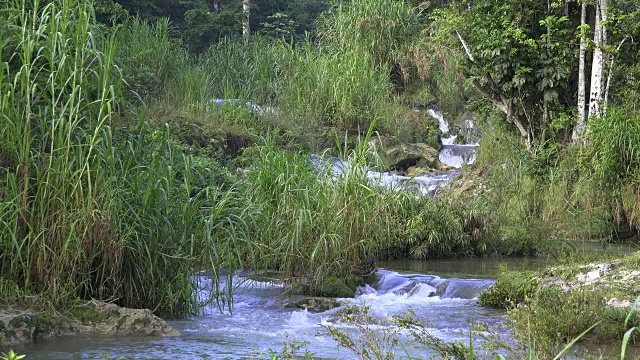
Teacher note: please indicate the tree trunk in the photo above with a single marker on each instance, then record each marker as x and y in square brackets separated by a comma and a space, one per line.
[610, 75]
[246, 12]
[582, 99]
[598, 66]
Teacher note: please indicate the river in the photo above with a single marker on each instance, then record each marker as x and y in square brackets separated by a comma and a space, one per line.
[445, 297]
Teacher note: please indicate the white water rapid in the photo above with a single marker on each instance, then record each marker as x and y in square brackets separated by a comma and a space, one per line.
[260, 323]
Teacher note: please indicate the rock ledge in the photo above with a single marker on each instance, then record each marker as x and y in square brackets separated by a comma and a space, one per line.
[20, 326]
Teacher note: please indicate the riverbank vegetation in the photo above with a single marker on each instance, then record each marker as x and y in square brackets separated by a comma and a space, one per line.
[136, 152]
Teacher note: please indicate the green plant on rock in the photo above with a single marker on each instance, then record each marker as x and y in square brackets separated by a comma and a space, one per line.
[11, 355]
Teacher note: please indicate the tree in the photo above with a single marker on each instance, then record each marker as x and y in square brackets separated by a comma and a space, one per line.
[582, 100]
[246, 14]
[519, 58]
[598, 64]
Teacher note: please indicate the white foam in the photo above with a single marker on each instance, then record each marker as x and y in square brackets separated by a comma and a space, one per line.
[300, 319]
[448, 140]
[444, 124]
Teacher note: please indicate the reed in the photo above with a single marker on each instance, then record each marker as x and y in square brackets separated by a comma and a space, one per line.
[88, 210]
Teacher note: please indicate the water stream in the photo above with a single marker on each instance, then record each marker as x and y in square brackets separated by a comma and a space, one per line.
[261, 323]
[452, 154]
[441, 292]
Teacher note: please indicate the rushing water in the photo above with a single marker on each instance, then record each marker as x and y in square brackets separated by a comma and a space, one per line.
[261, 323]
[452, 155]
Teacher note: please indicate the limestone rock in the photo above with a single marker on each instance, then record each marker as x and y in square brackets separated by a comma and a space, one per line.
[19, 326]
[120, 321]
[619, 304]
[416, 171]
[440, 166]
[554, 281]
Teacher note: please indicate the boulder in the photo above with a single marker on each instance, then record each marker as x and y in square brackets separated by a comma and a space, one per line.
[416, 171]
[404, 156]
[442, 167]
[19, 326]
[554, 281]
[119, 321]
[336, 288]
[314, 304]
[441, 289]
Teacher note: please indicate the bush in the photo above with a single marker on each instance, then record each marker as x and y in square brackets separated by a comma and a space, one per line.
[511, 289]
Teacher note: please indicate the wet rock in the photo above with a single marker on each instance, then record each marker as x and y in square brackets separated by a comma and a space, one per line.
[442, 167]
[404, 156]
[19, 326]
[353, 282]
[417, 171]
[441, 289]
[115, 320]
[336, 288]
[314, 304]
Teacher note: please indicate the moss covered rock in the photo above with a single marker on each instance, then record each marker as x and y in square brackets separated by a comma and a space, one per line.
[336, 288]
[19, 326]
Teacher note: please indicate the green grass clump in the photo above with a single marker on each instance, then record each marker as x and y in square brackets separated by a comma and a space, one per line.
[555, 317]
[511, 288]
[309, 223]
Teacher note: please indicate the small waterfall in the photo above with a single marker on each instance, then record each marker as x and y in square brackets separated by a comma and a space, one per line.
[456, 155]
[452, 154]
[407, 285]
[444, 124]
[425, 185]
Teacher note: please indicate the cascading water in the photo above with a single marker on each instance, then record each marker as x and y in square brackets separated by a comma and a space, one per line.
[452, 154]
[261, 323]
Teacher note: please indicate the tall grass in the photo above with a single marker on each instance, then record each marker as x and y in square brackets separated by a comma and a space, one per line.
[314, 225]
[87, 210]
[311, 222]
[342, 80]
[379, 29]
[148, 56]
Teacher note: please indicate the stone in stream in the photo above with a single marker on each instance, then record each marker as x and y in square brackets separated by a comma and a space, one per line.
[314, 304]
[441, 289]
[337, 288]
[19, 326]
[404, 156]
